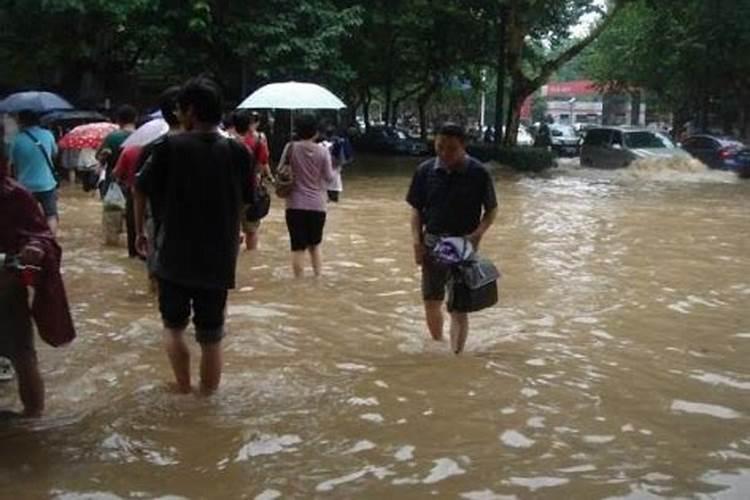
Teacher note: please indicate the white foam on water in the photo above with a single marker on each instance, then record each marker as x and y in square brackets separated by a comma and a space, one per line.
[384, 260]
[529, 393]
[363, 401]
[444, 468]
[381, 384]
[508, 410]
[254, 311]
[535, 422]
[373, 417]
[393, 293]
[268, 495]
[549, 335]
[363, 445]
[601, 334]
[547, 321]
[627, 428]
[535, 483]
[379, 472]
[717, 379]
[350, 265]
[716, 411]
[743, 335]
[736, 485]
[268, 444]
[405, 453]
[675, 170]
[536, 362]
[585, 320]
[594, 439]
[515, 439]
[655, 477]
[578, 468]
[354, 367]
[486, 495]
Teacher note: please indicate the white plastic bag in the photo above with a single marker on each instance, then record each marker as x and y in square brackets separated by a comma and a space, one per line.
[114, 196]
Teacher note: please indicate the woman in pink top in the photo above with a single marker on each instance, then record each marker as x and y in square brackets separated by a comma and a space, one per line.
[306, 206]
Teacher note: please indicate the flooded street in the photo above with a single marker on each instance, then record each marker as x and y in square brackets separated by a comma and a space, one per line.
[615, 365]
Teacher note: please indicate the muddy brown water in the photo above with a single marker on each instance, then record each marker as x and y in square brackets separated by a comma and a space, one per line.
[615, 366]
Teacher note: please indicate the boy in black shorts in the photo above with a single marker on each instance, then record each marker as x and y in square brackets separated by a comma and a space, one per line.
[197, 182]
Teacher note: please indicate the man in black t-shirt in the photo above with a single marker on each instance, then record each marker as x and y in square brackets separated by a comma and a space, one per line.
[199, 181]
[450, 195]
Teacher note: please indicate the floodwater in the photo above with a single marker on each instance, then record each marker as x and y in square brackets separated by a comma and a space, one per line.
[615, 365]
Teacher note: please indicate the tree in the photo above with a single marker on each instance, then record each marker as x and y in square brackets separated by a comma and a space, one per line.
[531, 25]
[691, 54]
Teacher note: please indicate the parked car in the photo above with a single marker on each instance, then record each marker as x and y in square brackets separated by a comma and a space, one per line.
[617, 147]
[61, 122]
[390, 140]
[720, 152]
[565, 140]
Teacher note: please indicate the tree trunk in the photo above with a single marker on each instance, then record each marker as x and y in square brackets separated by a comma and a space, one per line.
[515, 104]
[367, 100]
[501, 23]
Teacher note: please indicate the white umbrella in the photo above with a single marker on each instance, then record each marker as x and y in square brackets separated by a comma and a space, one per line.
[292, 95]
[147, 133]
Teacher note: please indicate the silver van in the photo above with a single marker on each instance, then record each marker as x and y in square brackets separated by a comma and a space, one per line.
[617, 147]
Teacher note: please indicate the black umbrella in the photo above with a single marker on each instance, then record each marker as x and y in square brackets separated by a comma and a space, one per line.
[39, 102]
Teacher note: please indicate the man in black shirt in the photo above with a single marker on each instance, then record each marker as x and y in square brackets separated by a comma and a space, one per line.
[450, 195]
[199, 181]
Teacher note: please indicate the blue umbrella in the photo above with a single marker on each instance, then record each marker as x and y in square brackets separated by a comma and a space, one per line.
[39, 102]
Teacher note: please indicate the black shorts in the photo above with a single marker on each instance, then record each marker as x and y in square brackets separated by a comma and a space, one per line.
[48, 201]
[208, 305]
[305, 228]
[434, 279]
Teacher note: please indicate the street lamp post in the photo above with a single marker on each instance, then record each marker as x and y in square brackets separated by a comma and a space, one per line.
[572, 103]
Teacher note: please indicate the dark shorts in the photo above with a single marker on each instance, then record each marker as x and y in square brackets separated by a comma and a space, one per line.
[333, 196]
[434, 279]
[16, 332]
[208, 305]
[48, 201]
[305, 228]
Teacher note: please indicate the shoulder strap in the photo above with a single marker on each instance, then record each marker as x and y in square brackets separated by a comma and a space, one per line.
[41, 149]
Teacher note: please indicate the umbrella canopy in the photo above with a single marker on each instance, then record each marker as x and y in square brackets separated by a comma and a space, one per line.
[292, 95]
[147, 133]
[39, 102]
[88, 136]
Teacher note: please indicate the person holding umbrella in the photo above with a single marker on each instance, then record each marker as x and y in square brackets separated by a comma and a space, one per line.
[306, 204]
[32, 163]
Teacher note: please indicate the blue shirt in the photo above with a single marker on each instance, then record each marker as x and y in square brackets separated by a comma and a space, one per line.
[32, 169]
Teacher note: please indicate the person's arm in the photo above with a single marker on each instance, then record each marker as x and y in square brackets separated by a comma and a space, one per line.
[150, 180]
[416, 236]
[487, 220]
[489, 202]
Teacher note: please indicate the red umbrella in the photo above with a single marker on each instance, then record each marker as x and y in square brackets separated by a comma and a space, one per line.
[87, 136]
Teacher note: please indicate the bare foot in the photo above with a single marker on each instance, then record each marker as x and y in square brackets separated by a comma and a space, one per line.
[176, 388]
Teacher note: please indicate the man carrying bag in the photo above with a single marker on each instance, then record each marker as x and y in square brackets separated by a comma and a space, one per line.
[452, 195]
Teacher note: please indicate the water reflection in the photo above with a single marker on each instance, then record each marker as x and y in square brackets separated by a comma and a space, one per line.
[614, 366]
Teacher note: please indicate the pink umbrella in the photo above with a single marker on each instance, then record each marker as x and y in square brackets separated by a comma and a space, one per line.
[87, 136]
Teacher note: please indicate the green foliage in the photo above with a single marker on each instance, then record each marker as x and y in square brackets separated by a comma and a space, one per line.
[523, 159]
[691, 54]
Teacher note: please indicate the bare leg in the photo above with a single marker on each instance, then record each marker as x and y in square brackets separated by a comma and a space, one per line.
[179, 358]
[30, 384]
[53, 222]
[317, 260]
[211, 362]
[251, 240]
[298, 263]
[459, 331]
[434, 315]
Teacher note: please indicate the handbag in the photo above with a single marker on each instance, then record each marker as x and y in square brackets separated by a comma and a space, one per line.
[114, 197]
[284, 182]
[473, 285]
[260, 205]
[46, 157]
